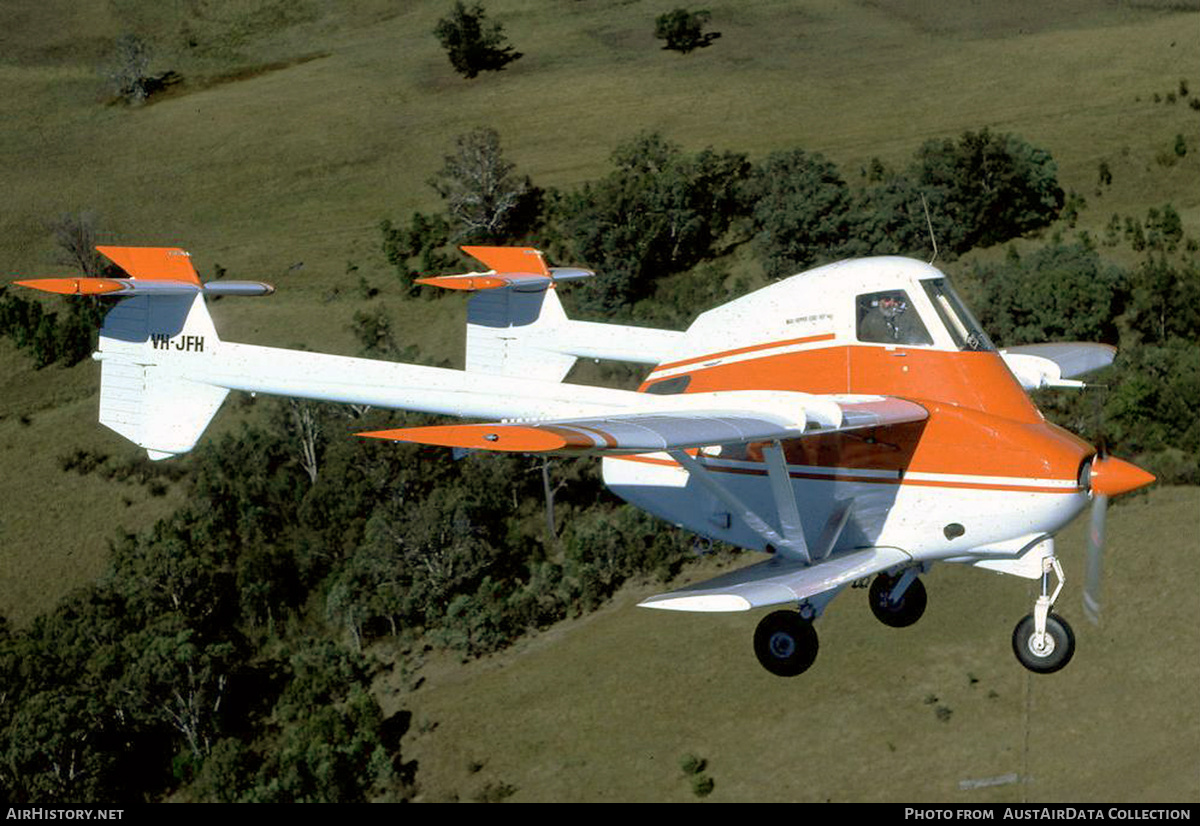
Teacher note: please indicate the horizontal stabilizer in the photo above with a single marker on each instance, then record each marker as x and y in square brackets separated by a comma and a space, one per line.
[152, 271]
[518, 268]
[124, 287]
[777, 581]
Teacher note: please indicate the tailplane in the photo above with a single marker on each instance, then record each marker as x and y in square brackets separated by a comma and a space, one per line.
[158, 335]
[516, 325]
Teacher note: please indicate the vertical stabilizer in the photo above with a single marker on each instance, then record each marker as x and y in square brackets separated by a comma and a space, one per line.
[149, 345]
[505, 329]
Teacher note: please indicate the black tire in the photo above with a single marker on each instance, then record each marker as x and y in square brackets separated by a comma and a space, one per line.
[785, 643]
[1056, 651]
[902, 614]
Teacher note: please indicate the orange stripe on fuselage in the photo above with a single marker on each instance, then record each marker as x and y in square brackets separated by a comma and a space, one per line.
[838, 474]
[981, 421]
[744, 350]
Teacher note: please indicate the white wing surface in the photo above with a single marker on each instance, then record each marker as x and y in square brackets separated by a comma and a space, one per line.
[777, 581]
[1056, 364]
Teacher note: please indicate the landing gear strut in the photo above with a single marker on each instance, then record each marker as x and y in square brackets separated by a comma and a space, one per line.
[898, 601]
[785, 643]
[1042, 641]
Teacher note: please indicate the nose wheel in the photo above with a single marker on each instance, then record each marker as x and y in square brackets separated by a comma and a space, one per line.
[1045, 652]
[1042, 641]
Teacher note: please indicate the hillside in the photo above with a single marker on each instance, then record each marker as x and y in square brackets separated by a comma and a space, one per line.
[604, 708]
[297, 127]
[294, 134]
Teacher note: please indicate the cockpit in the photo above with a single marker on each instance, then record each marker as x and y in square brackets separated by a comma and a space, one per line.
[892, 317]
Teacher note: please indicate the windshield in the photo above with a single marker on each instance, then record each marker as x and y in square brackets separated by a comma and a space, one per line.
[963, 327]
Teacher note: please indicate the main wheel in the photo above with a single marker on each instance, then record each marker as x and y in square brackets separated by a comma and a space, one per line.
[785, 643]
[1049, 653]
[897, 614]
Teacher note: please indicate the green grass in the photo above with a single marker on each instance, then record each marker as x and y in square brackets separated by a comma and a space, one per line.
[600, 709]
[294, 134]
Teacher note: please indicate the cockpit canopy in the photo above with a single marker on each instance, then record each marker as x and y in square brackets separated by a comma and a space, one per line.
[891, 317]
[883, 301]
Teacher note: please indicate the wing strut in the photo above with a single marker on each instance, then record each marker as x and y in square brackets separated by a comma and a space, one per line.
[833, 529]
[785, 500]
[791, 543]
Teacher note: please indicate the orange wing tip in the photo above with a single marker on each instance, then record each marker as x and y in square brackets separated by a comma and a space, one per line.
[508, 438]
[525, 260]
[76, 286]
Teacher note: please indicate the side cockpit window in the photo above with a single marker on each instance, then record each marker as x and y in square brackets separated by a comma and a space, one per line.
[888, 317]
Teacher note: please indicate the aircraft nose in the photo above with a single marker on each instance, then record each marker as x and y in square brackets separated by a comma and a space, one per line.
[1112, 477]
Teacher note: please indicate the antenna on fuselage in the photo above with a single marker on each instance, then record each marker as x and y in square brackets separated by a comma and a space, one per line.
[929, 223]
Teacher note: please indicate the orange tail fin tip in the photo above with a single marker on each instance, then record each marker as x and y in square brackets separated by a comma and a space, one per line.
[153, 263]
[511, 260]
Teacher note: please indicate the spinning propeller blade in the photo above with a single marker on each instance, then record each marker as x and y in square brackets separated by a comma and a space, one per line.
[1107, 477]
[1095, 559]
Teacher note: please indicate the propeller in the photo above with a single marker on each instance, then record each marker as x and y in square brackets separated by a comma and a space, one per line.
[1106, 476]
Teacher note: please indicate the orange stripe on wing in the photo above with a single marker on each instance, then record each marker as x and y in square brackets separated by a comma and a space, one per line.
[474, 437]
[499, 437]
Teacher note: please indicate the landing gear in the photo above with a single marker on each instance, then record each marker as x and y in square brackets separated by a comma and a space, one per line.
[785, 643]
[1047, 652]
[1042, 641]
[898, 601]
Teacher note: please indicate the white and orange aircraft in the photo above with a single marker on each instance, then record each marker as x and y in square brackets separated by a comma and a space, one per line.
[852, 422]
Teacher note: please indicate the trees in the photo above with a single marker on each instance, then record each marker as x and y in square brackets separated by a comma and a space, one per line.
[128, 69]
[683, 30]
[1060, 292]
[660, 211]
[485, 201]
[800, 210]
[472, 44]
[984, 189]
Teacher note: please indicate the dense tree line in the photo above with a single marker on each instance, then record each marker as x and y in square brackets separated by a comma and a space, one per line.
[662, 211]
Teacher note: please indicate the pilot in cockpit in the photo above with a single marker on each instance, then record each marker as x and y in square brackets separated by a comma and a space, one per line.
[889, 318]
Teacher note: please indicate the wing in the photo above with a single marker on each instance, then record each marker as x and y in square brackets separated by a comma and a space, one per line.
[675, 423]
[777, 581]
[1056, 364]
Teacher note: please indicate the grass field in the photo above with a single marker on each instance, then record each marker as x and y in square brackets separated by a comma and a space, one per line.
[604, 708]
[299, 126]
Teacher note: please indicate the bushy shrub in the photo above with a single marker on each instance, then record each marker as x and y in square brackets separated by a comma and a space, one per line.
[472, 44]
[683, 30]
